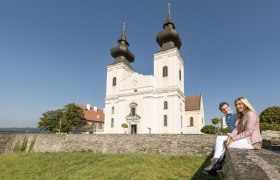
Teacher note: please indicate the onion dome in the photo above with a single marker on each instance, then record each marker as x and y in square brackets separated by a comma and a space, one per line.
[121, 52]
[169, 37]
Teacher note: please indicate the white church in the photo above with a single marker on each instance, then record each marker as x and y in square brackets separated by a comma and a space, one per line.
[154, 104]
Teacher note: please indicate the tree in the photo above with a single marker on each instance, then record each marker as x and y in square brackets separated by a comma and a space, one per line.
[50, 120]
[270, 119]
[271, 115]
[215, 121]
[209, 129]
[72, 116]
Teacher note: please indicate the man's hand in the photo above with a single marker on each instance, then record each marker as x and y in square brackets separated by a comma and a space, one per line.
[229, 141]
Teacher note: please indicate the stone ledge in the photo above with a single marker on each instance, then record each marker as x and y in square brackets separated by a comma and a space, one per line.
[251, 164]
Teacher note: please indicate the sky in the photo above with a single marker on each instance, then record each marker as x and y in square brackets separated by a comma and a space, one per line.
[55, 52]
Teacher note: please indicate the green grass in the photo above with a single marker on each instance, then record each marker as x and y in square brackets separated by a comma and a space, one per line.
[87, 165]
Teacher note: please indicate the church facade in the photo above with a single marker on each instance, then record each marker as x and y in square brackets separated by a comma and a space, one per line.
[148, 103]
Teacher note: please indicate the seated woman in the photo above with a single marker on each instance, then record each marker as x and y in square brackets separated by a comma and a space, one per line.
[246, 134]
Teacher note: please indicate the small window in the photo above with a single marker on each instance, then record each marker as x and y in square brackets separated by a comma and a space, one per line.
[112, 122]
[202, 120]
[181, 121]
[180, 75]
[133, 111]
[164, 71]
[114, 81]
[165, 105]
[100, 126]
[113, 110]
[165, 120]
[191, 121]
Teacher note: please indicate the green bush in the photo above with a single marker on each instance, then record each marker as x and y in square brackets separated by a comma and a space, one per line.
[17, 147]
[32, 144]
[209, 129]
[23, 146]
[124, 125]
[225, 130]
[269, 126]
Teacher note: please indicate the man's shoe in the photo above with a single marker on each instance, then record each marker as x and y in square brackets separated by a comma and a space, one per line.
[212, 164]
[205, 172]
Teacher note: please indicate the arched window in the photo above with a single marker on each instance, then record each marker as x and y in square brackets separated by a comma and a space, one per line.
[133, 111]
[113, 110]
[191, 121]
[112, 122]
[133, 106]
[180, 75]
[165, 120]
[165, 105]
[114, 81]
[164, 71]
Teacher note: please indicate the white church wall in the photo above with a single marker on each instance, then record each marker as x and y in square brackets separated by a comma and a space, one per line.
[173, 60]
[121, 72]
[157, 116]
[149, 93]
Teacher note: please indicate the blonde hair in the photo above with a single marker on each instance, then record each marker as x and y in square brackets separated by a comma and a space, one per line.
[245, 101]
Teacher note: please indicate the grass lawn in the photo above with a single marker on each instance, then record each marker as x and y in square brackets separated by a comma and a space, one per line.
[87, 165]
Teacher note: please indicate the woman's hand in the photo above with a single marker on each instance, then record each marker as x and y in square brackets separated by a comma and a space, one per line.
[229, 141]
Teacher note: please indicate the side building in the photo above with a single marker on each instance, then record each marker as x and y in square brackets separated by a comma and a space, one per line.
[194, 114]
[93, 117]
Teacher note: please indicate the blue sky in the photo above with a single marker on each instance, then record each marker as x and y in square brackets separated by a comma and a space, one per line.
[55, 52]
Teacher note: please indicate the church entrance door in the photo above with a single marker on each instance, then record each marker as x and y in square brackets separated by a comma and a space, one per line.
[133, 129]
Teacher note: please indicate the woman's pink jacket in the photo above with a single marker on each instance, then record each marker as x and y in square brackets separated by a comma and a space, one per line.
[250, 129]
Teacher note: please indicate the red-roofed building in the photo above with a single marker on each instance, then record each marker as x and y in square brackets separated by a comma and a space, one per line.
[194, 114]
[93, 117]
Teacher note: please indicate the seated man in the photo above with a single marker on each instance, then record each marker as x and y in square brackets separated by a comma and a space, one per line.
[230, 121]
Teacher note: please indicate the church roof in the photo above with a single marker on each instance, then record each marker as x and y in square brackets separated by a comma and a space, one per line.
[169, 37]
[95, 115]
[121, 53]
[192, 103]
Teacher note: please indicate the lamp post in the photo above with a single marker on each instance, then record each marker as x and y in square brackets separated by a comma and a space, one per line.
[150, 129]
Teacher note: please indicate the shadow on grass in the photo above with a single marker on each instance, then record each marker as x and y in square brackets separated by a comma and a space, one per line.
[199, 175]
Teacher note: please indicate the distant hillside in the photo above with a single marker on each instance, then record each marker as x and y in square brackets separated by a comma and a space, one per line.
[21, 130]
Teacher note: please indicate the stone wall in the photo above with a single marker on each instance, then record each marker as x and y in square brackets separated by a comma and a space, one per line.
[268, 135]
[6, 141]
[158, 144]
[251, 164]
